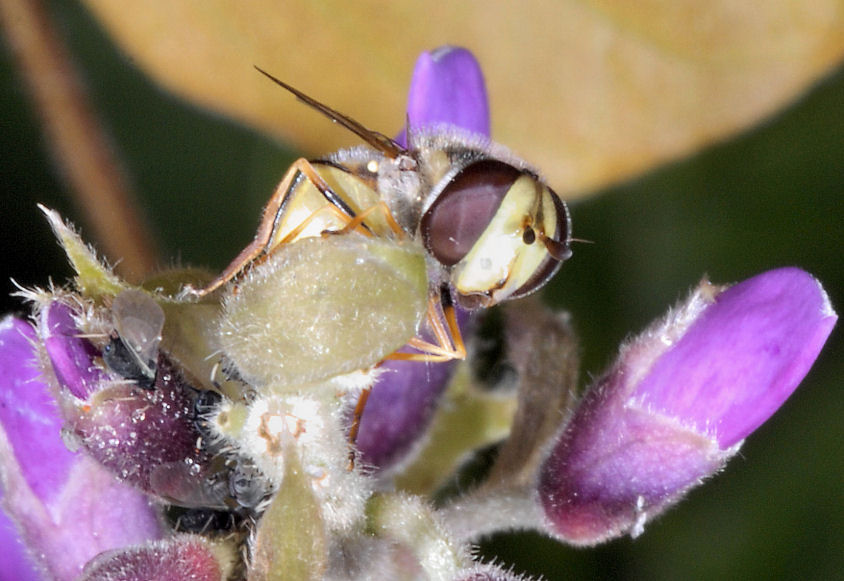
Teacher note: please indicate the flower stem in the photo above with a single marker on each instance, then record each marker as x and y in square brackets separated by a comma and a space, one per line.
[78, 141]
[491, 510]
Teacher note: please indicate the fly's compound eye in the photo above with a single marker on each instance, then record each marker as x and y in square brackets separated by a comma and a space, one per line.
[465, 208]
[501, 231]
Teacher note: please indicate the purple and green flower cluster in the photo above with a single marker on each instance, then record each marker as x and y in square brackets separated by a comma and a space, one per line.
[198, 475]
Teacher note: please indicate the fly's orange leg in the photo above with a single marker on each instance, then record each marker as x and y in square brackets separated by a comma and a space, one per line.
[358, 221]
[442, 320]
[355, 428]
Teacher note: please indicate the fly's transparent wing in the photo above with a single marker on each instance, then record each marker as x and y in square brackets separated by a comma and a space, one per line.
[138, 322]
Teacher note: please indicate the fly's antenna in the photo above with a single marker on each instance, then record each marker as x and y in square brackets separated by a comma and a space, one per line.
[379, 141]
[408, 131]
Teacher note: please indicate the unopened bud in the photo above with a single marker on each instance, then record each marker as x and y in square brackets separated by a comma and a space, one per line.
[679, 400]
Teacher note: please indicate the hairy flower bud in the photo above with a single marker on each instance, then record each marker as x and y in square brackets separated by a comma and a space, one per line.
[130, 430]
[179, 558]
[320, 307]
[448, 88]
[488, 573]
[144, 430]
[679, 400]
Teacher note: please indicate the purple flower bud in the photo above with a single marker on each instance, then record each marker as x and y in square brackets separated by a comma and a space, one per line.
[71, 356]
[399, 409]
[447, 87]
[182, 558]
[147, 437]
[66, 508]
[679, 400]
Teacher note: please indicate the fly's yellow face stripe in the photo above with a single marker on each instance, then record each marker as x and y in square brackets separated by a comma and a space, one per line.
[498, 231]
[500, 262]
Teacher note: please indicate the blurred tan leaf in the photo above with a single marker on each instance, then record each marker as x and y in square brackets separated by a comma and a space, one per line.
[589, 91]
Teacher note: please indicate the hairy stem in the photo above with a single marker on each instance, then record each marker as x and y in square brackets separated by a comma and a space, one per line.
[484, 512]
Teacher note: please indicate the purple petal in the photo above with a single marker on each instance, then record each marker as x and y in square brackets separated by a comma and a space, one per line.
[92, 513]
[399, 409]
[746, 354]
[72, 356]
[402, 404]
[16, 563]
[447, 88]
[67, 508]
[28, 412]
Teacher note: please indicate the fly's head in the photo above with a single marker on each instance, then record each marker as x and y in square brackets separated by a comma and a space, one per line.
[492, 226]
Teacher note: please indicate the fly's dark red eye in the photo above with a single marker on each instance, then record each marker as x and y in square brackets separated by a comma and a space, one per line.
[500, 231]
[464, 209]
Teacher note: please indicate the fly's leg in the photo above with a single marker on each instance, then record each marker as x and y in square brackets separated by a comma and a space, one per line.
[442, 320]
[355, 428]
[357, 222]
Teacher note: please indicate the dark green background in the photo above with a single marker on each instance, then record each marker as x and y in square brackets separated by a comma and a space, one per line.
[768, 198]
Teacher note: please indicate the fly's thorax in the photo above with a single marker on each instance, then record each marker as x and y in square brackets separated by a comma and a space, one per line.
[402, 187]
[371, 178]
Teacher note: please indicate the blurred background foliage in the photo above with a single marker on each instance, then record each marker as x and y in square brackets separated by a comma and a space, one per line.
[769, 197]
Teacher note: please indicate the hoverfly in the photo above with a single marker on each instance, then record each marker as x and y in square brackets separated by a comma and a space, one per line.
[491, 228]
[485, 225]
